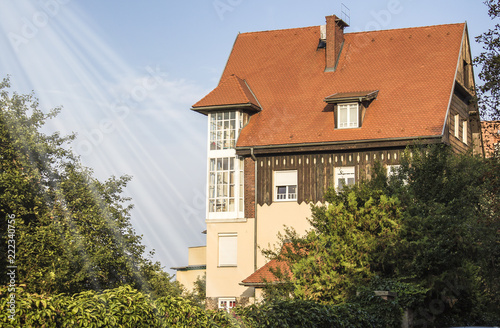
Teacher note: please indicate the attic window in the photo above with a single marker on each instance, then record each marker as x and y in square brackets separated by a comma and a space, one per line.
[347, 116]
[350, 107]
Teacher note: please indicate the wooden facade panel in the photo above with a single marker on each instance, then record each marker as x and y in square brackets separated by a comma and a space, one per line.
[460, 108]
[315, 172]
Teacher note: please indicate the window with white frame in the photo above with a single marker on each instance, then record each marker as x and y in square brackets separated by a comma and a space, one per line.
[225, 168]
[457, 126]
[344, 176]
[228, 249]
[392, 170]
[285, 185]
[464, 132]
[347, 116]
[221, 189]
[227, 303]
[242, 187]
[222, 130]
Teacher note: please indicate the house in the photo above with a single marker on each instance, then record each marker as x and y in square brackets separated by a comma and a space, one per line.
[491, 137]
[299, 110]
[196, 268]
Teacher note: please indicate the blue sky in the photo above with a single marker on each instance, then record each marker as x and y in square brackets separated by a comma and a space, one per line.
[127, 72]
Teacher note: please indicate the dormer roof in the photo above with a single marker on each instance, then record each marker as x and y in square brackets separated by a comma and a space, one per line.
[233, 92]
[356, 96]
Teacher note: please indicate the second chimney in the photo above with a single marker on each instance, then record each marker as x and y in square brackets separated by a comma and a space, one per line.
[334, 41]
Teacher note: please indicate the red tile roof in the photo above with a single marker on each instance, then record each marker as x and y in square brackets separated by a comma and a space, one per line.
[231, 91]
[413, 69]
[264, 274]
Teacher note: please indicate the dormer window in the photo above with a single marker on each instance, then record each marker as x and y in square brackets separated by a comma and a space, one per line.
[348, 115]
[350, 107]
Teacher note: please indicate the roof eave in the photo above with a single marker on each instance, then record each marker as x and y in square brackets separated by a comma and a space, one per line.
[249, 107]
[259, 284]
[190, 268]
[340, 145]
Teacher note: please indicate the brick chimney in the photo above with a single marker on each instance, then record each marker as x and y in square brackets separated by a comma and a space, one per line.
[334, 41]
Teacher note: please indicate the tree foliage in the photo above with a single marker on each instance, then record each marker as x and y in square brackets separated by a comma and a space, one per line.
[489, 59]
[118, 307]
[345, 245]
[72, 231]
[434, 227]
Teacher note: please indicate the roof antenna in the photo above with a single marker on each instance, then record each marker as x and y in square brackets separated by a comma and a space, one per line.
[345, 14]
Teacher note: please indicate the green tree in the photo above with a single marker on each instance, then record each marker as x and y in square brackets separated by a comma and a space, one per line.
[72, 231]
[433, 227]
[449, 241]
[346, 245]
[489, 60]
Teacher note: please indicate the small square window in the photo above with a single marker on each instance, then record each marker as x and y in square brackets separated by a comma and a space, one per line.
[285, 185]
[392, 170]
[228, 249]
[347, 116]
[227, 304]
[344, 176]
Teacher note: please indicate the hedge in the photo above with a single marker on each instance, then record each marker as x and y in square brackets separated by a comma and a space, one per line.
[120, 307]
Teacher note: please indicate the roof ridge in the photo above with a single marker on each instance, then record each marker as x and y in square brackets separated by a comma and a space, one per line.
[359, 32]
[281, 29]
[240, 81]
[405, 28]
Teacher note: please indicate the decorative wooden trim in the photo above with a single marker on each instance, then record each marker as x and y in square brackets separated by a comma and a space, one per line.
[355, 145]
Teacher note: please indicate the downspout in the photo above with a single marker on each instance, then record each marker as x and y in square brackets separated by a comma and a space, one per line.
[255, 212]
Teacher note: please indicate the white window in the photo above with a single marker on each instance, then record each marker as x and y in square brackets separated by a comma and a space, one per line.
[225, 168]
[225, 128]
[347, 116]
[344, 176]
[285, 185]
[242, 187]
[227, 303]
[392, 170]
[228, 249]
[221, 189]
[464, 132]
[222, 130]
[457, 126]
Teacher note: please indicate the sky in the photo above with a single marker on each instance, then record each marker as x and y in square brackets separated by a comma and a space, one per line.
[127, 72]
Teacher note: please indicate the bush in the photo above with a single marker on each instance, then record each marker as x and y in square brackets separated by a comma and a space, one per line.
[119, 307]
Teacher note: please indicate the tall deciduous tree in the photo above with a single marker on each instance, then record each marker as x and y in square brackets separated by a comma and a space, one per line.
[72, 231]
[489, 59]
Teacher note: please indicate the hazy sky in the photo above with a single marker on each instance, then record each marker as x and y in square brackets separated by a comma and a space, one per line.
[127, 72]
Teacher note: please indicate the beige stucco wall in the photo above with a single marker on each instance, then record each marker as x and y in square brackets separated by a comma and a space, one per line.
[224, 281]
[188, 278]
[197, 255]
[273, 218]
